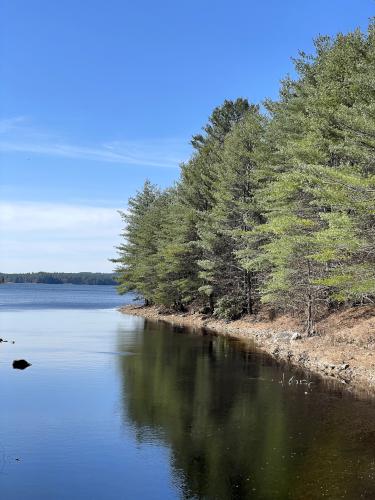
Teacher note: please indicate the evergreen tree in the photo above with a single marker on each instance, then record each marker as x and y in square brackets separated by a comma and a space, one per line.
[278, 209]
[137, 254]
[234, 213]
[176, 268]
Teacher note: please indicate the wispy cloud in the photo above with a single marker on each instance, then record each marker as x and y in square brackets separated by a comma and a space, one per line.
[56, 217]
[63, 237]
[16, 135]
[8, 124]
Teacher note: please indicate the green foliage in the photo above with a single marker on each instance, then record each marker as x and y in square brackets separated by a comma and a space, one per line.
[228, 308]
[275, 209]
[136, 260]
[355, 282]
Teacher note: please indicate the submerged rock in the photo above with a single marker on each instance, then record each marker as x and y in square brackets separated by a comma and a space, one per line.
[20, 364]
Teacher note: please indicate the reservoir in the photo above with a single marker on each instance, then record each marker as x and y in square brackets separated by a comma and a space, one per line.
[117, 407]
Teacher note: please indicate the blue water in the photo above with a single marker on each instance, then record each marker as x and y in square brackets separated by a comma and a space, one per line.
[62, 431]
[39, 296]
[115, 407]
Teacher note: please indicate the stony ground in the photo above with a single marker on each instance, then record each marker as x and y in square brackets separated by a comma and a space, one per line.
[343, 350]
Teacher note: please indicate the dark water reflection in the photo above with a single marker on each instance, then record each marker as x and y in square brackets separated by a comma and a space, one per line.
[117, 408]
[235, 431]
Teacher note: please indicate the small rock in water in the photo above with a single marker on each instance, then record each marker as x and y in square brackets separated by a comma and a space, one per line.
[21, 364]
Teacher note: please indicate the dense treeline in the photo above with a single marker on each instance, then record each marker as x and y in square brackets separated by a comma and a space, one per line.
[60, 278]
[276, 205]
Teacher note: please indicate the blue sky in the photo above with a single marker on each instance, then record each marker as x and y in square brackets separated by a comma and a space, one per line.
[98, 96]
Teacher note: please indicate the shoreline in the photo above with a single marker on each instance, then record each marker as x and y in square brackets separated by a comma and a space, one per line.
[344, 353]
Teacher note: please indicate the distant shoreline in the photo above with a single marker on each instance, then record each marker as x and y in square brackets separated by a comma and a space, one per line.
[66, 283]
[57, 278]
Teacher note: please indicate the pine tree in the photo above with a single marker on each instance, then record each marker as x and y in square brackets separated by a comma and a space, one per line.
[278, 209]
[137, 254]
[234, 213]
[176, 267]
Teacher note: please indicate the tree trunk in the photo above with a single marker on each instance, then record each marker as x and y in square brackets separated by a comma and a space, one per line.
[310, 322]
[249, 299]
[211, 303]
[310, 314]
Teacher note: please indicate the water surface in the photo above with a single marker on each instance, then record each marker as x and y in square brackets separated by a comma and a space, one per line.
[115, 407]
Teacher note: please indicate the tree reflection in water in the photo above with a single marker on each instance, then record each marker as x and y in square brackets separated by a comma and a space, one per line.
[233, 429]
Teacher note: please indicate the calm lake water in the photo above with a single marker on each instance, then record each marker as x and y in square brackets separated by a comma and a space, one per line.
[115, 407]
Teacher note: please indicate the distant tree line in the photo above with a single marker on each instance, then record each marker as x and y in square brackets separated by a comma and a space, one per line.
[60, 278]
[276, 204]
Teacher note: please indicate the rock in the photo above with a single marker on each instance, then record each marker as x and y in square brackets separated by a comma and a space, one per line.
[303, 357]
[282, 336]
[296, 336]
[276, 351]
[344, 366]
[20, 364]
[329, 367]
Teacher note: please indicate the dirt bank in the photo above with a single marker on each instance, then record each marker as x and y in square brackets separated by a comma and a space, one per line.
[344, 349]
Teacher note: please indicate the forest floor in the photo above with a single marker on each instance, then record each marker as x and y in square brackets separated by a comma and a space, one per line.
[343, 349]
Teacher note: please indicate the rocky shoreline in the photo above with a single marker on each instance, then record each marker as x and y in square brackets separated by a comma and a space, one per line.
[344, 353]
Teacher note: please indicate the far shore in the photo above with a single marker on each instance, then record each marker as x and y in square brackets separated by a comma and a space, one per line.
[343, 351]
